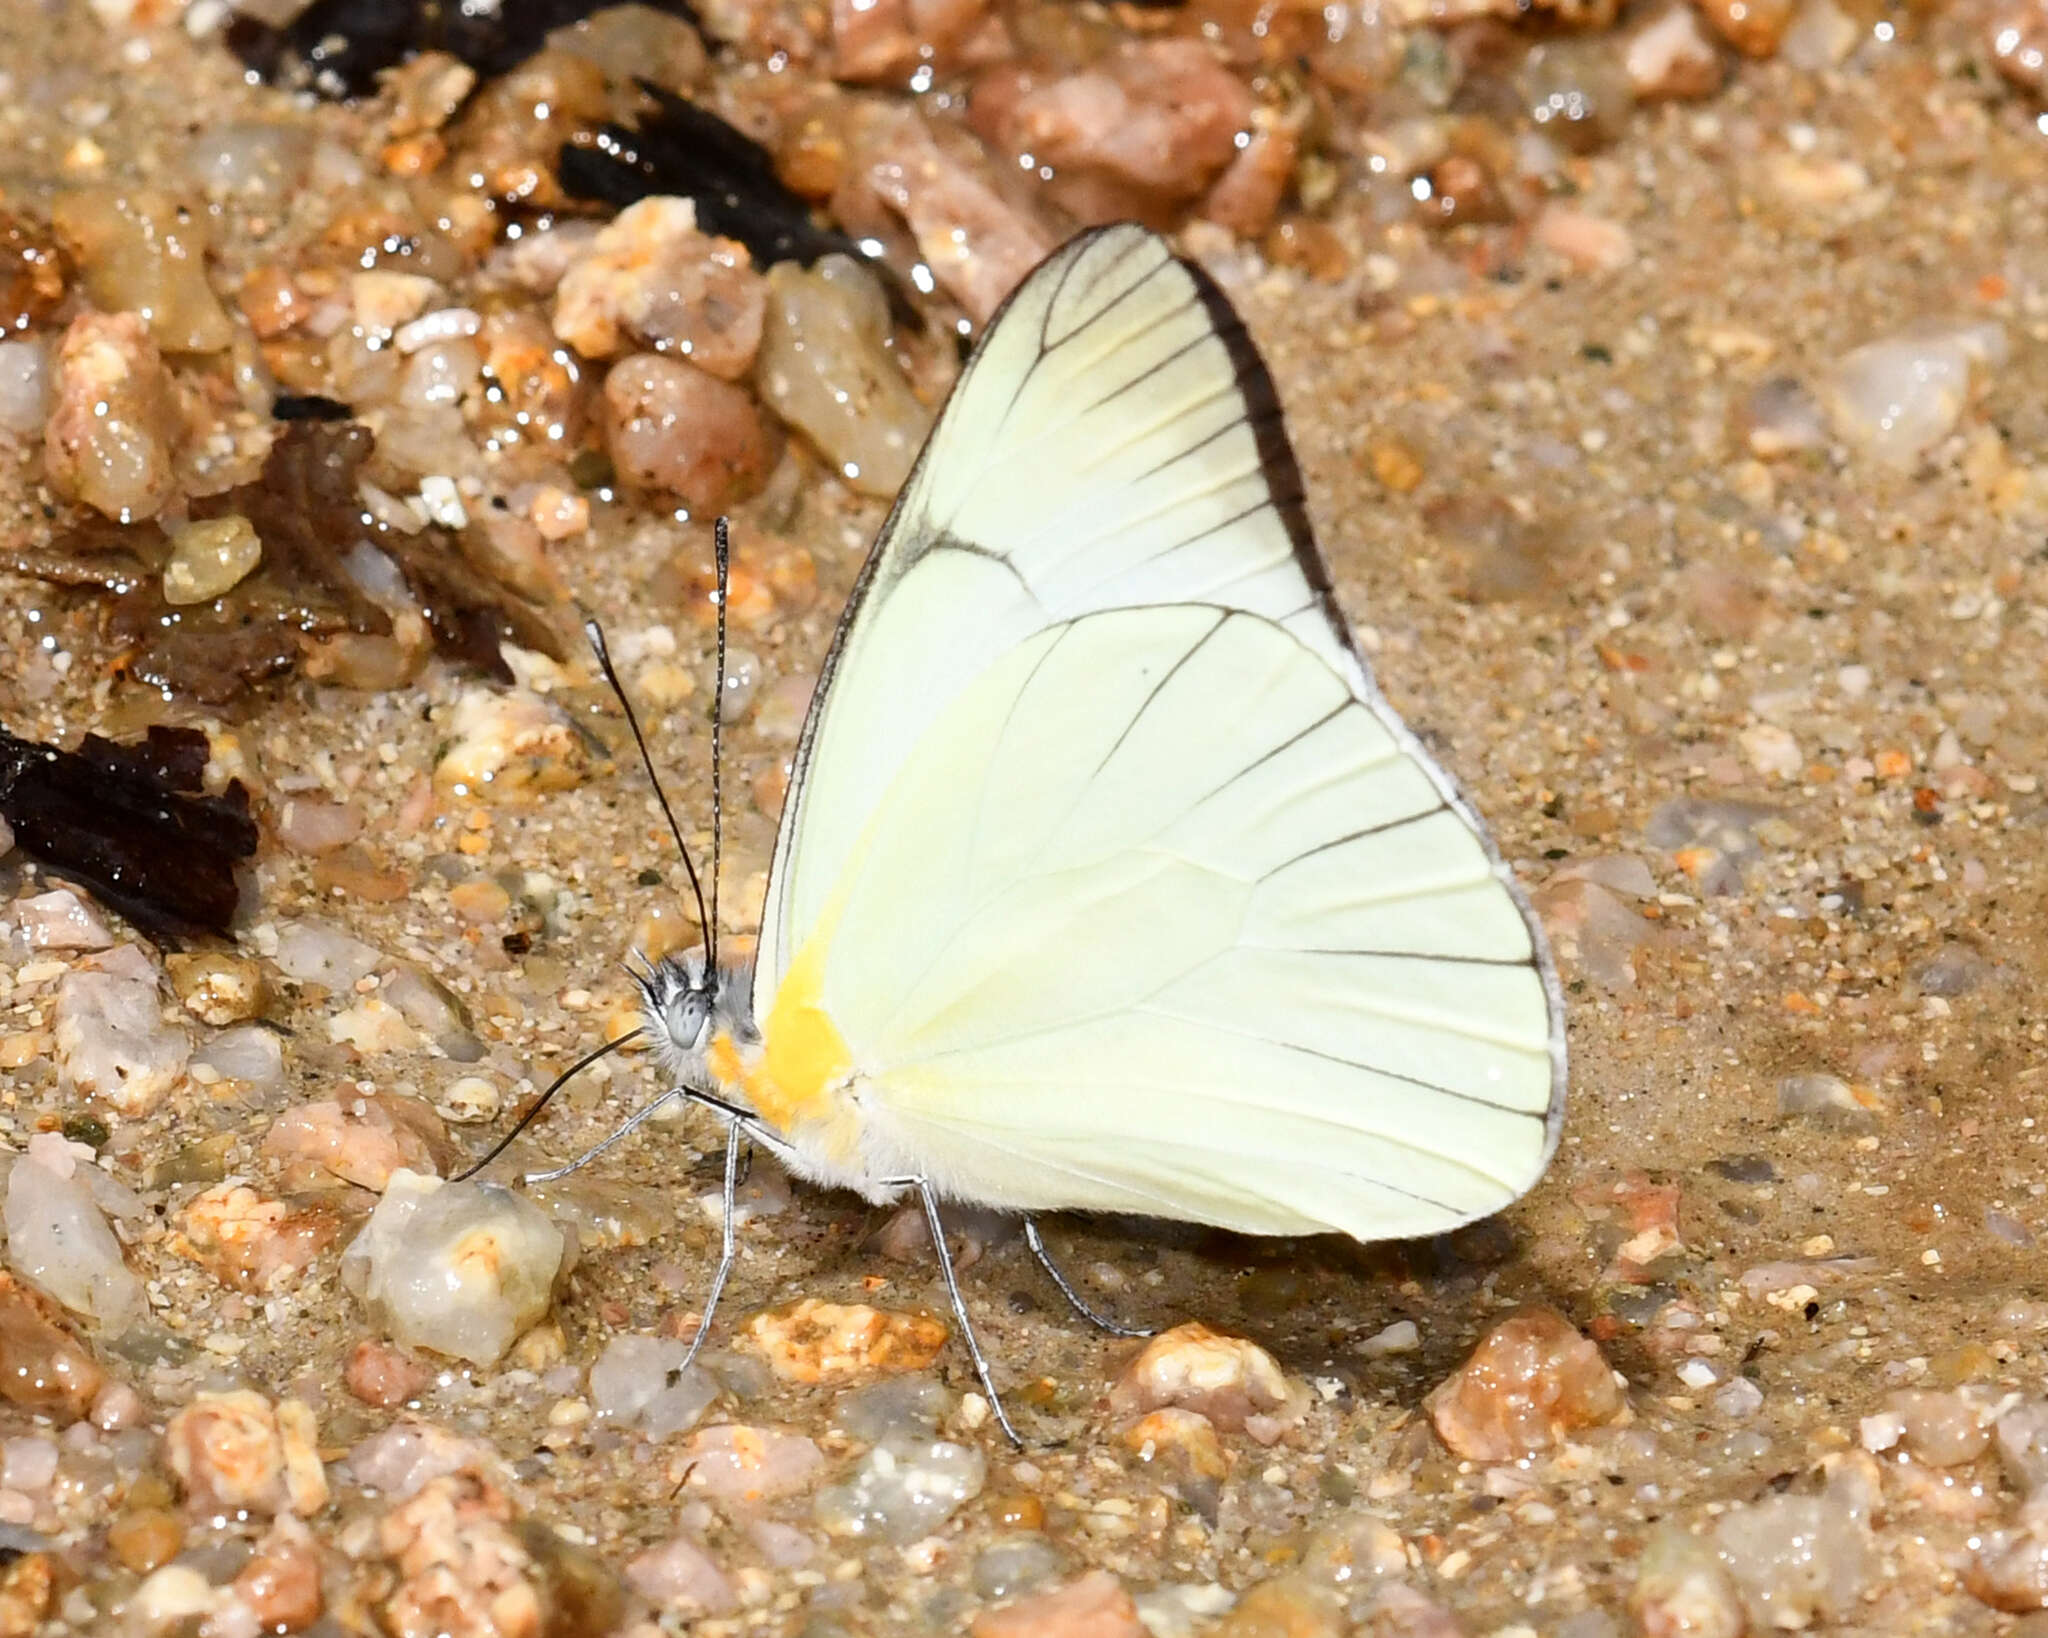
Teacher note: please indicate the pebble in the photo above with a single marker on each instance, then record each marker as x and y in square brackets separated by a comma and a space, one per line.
[1593, 930]
[2009, 1570]
[1532, 1380]
[639, 1382]
[2022, 1438]
[433, 1009]
[1577, 92]
[1095, 1606]
[237, 1451]
[825, 368]
[248, 1054]
[58, 1238]
[279, 1586]
[112, 1041]
[314, 824]
[1738, 1400]
[1796, 1559]
[453, 1549]
[250, 1242]
[139, 253]
[733, 1461]
[25, 383]
[1010, 1565]
[406, 1457]
[674, 427]
[978, 245]
[681, 1574]
[32, 273]
[216, 987]
[1781, 417]
[902, 1490]
[60, 920]
[884, 40]
[209, 558]
[2018, 34]
[43, 1368]
[510, 742]
[173, 1596]
[896, 1406]
[458, 1268]
[143, 1538]
[318, 952]
[1826, 1100]
[651, 279]
[1402, 1337]
[1185, 1609]
[815, 1341]
[1185, 1437]
[1671, 56]
[386, 1377]
[1156, 119]
[1236, 1384]
[1772, 750]
[114, 424]
[1753, 27]
[1896, 398]
[1683, 1590]
[364, 1142]
[1591, 244]
[1285, 1606]
[1946, 1428]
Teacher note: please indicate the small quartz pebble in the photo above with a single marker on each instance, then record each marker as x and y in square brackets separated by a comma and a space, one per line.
[1671, 56]
[1896, 398]
[651, 277]
[826, 369]
[733, 1461]
[1532, 1379]
[672, 426]
[1589, 243]
[404, 1458]
[681, 1574]
[381, 1375]
[1236, 1384]
[216, 987]
[58, 1237]
[248, 1053]
[363, 1141]
[1683, 1590]
[639, 1382]
[114, 425]
[60, 920]
[452, 1547]
[504, 743]
[43, 1368]
[1826, 1100]
[1290, 1605]
[1753, 27]
[317, 952]
[1095, 1606]
[458, 1268]
[902, 1489]
[209, 558]
[814, 1341]
[1947, 1428]
[1184, 1437]
[279, 1586]
[236, 1450]
[1798, 1559]
[112, 1041]
[2022, 1435]
[314, 824]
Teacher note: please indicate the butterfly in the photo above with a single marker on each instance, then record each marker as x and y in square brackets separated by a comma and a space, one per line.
[1106, 878]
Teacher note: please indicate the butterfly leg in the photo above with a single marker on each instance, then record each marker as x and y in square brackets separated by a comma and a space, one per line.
[734, 1141]
[1036, 1242]
[937, 1226]
[634, 1123]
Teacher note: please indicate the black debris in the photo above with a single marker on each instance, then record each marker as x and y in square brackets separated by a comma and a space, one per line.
[341, 46]
[309, 406]
[133, 825]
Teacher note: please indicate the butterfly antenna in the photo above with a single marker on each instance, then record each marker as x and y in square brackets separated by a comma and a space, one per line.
[722, 547]
[595, 633]
[541, 1102]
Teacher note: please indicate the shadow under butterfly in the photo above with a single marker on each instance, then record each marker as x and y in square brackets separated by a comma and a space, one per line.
[1106, 879]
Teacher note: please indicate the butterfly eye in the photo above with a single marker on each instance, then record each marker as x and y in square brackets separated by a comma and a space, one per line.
[688, 1018]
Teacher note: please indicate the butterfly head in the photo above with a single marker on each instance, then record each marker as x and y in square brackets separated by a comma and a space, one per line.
[687, 1006]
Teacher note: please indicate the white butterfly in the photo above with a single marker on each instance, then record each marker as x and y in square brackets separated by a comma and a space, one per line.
[1106, 878]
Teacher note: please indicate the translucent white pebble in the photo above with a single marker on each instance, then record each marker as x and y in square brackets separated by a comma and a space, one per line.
[461, 1268]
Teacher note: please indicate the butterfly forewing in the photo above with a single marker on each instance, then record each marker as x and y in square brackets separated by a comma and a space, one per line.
[1127, 890]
